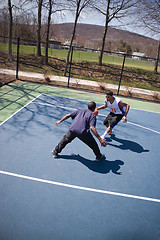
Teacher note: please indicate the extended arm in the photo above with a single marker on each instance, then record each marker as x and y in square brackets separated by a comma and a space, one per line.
[127, 106]
[102, 141]
[64, 118]
[102, 107]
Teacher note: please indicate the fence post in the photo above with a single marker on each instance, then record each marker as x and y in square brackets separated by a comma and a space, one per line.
[17, 58]
[70, 66]
[121, 74]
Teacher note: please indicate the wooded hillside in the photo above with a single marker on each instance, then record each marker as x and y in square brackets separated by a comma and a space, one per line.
[88, 35]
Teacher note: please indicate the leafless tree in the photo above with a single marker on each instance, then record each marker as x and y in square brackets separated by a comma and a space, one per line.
[39, 27]
[47, 29]
[111, 9]
[78, 6]
[4, 19]
[15, 10]
[49, 6]
[148, 13]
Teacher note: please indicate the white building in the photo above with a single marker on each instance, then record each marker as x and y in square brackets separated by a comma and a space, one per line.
[138, 55]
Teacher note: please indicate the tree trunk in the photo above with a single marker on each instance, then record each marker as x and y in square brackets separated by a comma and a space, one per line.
[72, 38]
[104, 35]
[103, 44]
[10, 30]
[39, 28]
[47, 32]
[157, 59]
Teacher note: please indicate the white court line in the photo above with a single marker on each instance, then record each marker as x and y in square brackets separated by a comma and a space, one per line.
[79, 187]
[51, 105]
[145, 110]
[74, 186]
[144, 127]
[19, 110]
[73, 109]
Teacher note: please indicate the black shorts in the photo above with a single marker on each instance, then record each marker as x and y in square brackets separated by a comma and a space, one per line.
[112, 119]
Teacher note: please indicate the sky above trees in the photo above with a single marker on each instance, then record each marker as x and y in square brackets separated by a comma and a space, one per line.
[130, 23]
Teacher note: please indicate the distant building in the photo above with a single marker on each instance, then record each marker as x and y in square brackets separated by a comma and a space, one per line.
[138, 55]
[66, 44]
[120, 53]
[74, 44]
[54, 44]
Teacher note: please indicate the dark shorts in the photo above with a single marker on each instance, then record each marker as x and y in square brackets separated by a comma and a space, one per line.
[112, 119]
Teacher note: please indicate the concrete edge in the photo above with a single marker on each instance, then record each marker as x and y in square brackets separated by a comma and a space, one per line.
[80, 82]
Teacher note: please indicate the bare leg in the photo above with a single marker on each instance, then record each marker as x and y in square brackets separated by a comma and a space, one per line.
[107, 131]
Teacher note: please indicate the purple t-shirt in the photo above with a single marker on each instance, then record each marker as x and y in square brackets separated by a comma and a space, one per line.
[83, 120]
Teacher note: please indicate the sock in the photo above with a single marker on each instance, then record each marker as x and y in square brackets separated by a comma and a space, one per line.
[104, 134]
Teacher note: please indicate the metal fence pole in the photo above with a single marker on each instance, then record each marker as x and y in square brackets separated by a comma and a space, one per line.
[121, 74]
[70, 66]
[17, 58]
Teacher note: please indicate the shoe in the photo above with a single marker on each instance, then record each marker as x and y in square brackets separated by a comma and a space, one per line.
[102, 157]
[110, 133]
[55, 154]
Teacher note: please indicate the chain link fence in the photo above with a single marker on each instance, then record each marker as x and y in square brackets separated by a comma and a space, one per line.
[118, 68]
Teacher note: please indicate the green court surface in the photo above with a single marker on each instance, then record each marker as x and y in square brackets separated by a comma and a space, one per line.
[16, 95]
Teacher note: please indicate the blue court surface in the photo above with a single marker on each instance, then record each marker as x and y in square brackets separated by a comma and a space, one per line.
[75, 197]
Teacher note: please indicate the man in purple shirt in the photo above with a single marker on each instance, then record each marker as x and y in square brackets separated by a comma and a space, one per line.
[84, 120]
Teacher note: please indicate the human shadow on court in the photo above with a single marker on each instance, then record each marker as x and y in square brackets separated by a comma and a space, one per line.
[126, 144]
[103, 166]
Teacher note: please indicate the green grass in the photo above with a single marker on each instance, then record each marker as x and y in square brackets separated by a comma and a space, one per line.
[79, 56]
